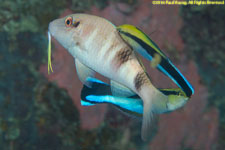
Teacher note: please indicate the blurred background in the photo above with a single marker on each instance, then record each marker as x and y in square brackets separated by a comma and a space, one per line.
[41, 111]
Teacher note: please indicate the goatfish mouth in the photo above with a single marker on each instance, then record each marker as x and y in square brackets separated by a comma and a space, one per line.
[49, 54]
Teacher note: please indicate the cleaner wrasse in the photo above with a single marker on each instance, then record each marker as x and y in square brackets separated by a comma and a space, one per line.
[100, 92]
[96, 46]
[145, 46]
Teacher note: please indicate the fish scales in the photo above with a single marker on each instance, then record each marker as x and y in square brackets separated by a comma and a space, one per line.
[140, 79]
[111, 52]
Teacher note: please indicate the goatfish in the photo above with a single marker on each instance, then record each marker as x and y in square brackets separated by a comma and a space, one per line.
[100, 92]
[97, 46]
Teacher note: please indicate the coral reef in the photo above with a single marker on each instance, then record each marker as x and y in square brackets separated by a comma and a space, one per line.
[205, 43]
[34, 15]
[36, 114]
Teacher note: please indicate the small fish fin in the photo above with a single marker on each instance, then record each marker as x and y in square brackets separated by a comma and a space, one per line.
[146, 120]
[120, 90]
[84, 72]
[95, 80]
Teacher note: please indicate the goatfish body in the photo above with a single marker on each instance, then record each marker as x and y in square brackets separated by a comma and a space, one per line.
[97, 46]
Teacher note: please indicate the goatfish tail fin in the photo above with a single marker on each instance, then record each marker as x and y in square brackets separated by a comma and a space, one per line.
[154, 101]
[49, 54]
[150, 95]
[147, 118]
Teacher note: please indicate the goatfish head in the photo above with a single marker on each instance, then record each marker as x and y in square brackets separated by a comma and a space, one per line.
[67, 30]
[73, 31]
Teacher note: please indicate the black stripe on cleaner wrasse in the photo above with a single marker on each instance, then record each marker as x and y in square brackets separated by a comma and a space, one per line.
[123, 55]
[164, 63]
[140, 80]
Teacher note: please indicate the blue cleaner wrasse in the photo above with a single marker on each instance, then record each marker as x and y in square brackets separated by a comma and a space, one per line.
[100, 92]
[96, 46]
[142, 44]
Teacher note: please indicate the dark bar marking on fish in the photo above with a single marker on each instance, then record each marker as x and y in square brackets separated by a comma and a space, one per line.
[113, 45]
[78, 43]
[164, 63]
[123, 55]
[110, 49]
[140, 80]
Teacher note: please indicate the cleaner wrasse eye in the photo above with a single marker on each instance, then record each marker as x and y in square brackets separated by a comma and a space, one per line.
[96, 46]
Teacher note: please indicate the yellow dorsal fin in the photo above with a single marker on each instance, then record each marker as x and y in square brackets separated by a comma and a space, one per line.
[130, 29]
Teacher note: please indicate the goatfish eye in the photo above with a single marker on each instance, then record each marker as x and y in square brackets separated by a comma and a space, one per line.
[69, 21]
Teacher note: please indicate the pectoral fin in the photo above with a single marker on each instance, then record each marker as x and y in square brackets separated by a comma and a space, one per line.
[120, 90]
[84, 72]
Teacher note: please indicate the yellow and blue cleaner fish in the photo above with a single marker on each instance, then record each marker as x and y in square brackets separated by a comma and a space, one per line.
[98, 46]
[100, 92]
[142, 43]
